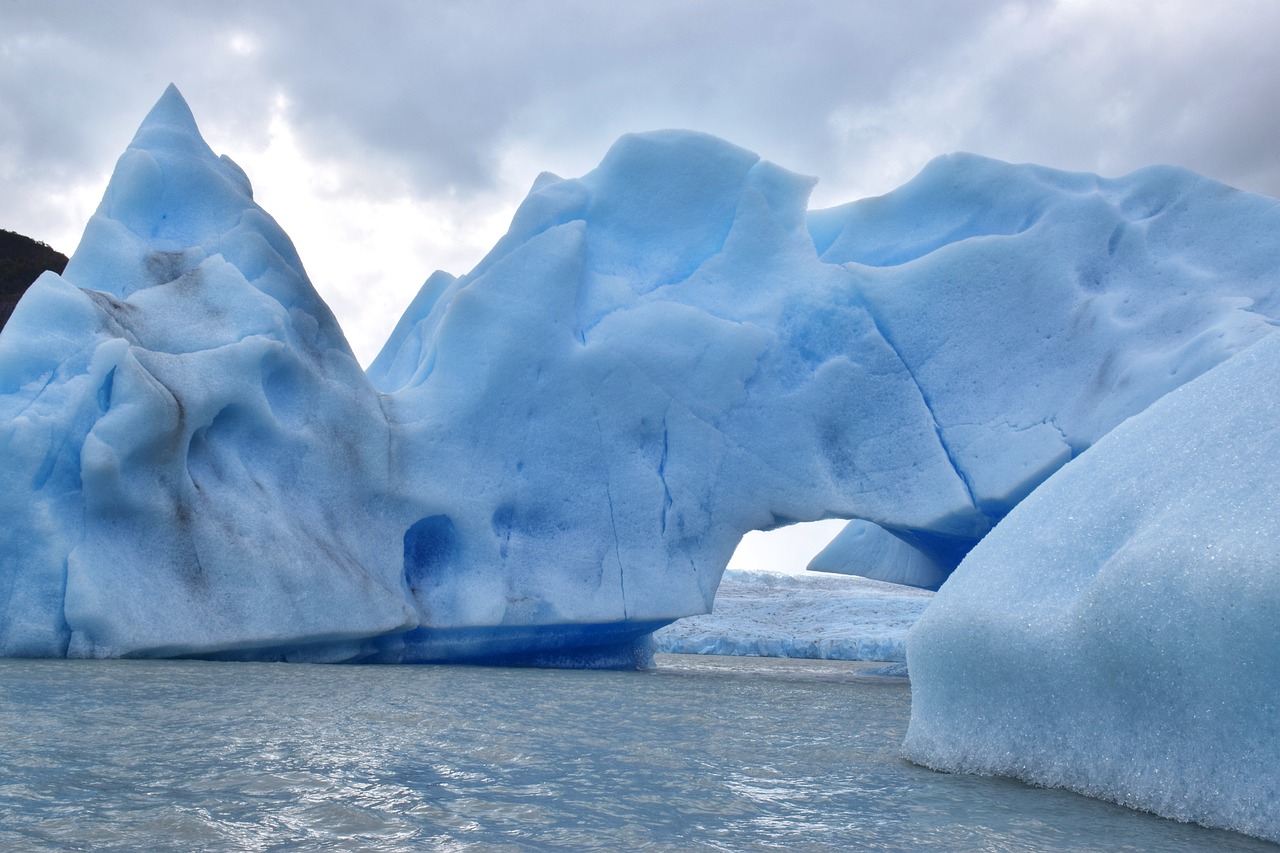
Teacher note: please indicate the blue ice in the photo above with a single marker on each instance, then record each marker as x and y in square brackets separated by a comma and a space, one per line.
[556, 453]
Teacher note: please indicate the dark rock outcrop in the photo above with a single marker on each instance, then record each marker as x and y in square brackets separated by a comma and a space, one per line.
[21, 262]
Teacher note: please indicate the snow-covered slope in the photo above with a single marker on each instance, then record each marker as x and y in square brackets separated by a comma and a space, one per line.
[1119, 632]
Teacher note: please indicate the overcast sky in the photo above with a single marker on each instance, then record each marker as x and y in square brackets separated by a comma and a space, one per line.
[394, 138]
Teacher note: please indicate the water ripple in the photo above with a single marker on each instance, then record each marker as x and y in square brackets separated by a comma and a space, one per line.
[740, 755]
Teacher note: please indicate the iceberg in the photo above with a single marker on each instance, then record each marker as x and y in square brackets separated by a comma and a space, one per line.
[651, 363]
[185, 433]
[556, 453]
[1118, 633]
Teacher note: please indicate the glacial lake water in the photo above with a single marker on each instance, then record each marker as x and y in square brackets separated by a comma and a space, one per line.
[700, 754]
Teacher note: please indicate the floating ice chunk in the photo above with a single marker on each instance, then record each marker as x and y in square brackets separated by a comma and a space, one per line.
[650, 364]
[1117, 633]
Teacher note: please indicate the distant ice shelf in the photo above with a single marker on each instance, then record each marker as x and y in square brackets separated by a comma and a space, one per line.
[812, 615]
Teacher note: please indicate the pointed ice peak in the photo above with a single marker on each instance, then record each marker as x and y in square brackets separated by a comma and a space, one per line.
[172, 203]
[170, 111]
[170, 125]
[402, 355]
[171, 192]
[237, 174]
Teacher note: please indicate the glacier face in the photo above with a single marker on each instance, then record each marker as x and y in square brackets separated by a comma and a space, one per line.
[561, 449]
[1118, 632]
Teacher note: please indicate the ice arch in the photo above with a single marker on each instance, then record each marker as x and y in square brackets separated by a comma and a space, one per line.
[671, 351]
[561, 449]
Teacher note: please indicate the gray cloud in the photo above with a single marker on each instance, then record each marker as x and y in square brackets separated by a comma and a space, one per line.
[428, 99]
[1127, 85]
[431, 93]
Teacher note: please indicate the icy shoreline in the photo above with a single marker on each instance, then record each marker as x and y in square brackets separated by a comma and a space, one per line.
[813, 615]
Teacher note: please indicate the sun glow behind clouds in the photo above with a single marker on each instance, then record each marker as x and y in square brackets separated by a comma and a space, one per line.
[367, 253]
[242, 44]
